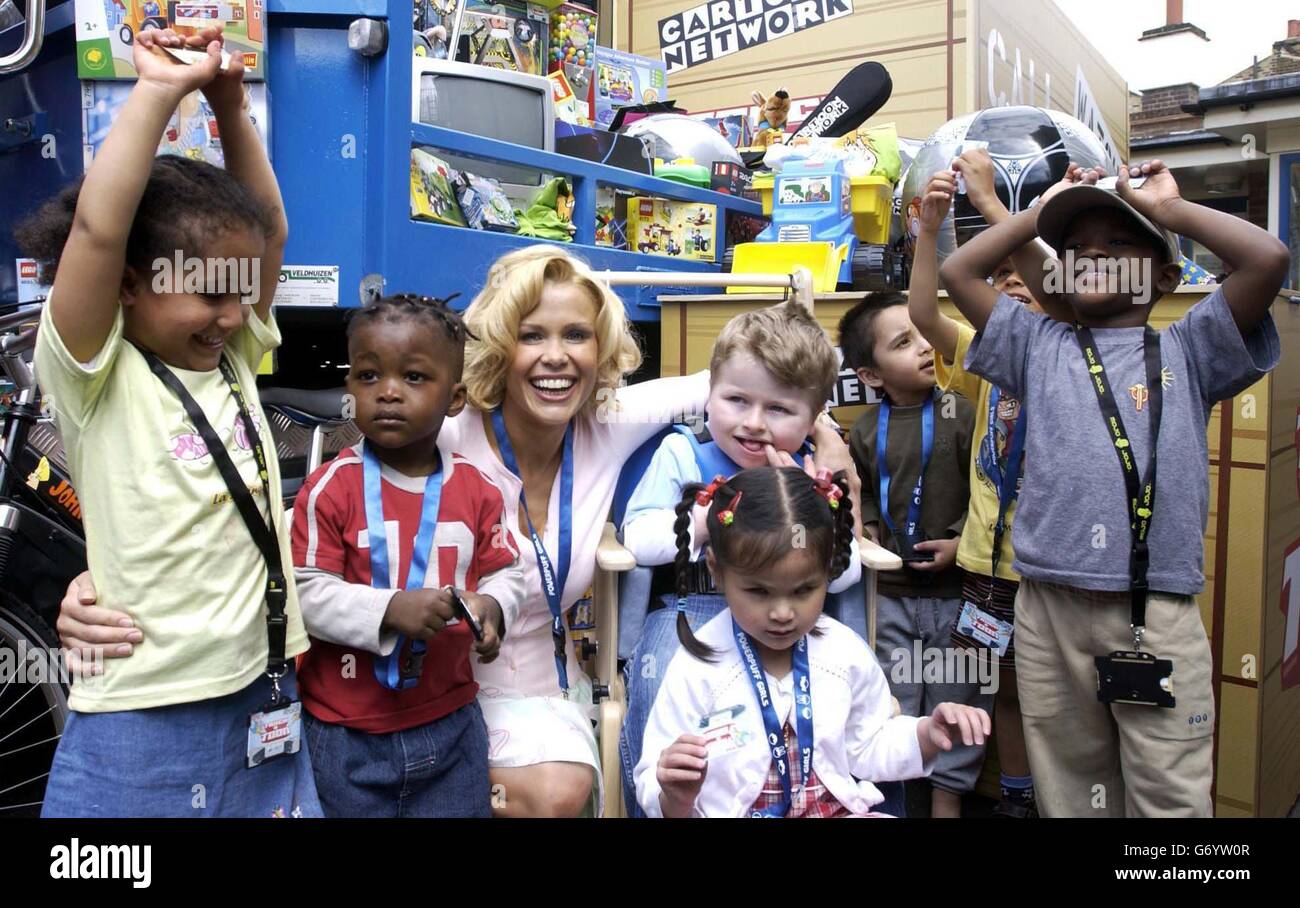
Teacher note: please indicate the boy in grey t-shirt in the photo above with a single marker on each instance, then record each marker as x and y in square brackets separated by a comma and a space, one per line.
[1078, 535]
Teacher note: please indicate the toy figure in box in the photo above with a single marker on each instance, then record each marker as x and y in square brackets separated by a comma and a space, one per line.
[670, 228]
[484, 204]
[433, 21]
[774, 112]
[505, 36]
[432, 197]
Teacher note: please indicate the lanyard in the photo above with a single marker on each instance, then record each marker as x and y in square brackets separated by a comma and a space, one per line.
[1141, 492]
[908, 538]
[263, 531]
[1004, 482]
[775, 730]
[553, 575]
[388, 669]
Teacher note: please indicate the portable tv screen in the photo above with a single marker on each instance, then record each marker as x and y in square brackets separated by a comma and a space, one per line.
[497, 104]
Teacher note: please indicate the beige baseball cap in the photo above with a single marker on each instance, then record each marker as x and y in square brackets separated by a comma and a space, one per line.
[1055, 215]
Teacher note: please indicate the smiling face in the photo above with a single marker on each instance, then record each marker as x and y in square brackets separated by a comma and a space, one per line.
[779, 603]
[405, 377]
[1007, 280]
[904, 360]
[190, 330]
[1117, 272]
[553, 373]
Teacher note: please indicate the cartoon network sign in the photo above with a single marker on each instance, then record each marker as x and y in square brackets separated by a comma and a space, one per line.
[720, 28]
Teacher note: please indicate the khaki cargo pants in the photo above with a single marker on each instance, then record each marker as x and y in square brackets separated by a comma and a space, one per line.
[1092, 759]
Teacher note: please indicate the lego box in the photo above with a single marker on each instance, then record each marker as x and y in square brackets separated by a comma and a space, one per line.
[660, 227]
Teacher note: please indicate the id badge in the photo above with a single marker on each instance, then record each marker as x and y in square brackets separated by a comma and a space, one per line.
[274, 733]
[722, 733]
[1138, 678]
[984, 628]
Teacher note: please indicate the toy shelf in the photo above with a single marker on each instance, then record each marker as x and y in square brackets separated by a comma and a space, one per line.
[462, 244]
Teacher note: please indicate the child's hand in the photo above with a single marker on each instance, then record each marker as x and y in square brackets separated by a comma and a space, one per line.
[831, 453]
[419, 614]
[682, 768]
[1074, 176]
[153, 66]
[976, 168]
[945, 554]
[225, 93]
[952, 721]
[487, 611]
[1155, 195]
[937, 200]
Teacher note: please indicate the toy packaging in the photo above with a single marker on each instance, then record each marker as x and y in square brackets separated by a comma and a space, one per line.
[432, 195]
[433, 21]
[484, 205]
[573, 50]
[623, 79]
[611, 216]
[106, 31]
[736, 129]
[660, 227]
[733, 179]
[191, 132]
[566, 103]
[505, 34]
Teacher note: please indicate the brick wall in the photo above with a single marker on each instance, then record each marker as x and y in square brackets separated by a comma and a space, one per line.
[1161, 111]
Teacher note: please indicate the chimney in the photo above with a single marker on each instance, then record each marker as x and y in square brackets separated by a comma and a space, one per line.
[1293, 28]
[1173, 12]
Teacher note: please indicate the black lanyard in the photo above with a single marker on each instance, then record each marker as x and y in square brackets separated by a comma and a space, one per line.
[1141, 492]
[266, 538]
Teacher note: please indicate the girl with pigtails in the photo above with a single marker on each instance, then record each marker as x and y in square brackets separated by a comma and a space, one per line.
[773, 709]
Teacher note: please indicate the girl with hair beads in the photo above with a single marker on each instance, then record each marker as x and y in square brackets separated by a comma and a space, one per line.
[154, 392]
[774, 709]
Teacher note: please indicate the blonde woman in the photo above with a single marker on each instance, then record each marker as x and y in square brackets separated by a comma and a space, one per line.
[549, 424]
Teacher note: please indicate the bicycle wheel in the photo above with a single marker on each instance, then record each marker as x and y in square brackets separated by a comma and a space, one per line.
[33, 707]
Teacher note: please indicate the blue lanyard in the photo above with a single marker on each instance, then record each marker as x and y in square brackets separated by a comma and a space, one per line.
[553, 576]
[775, 731]
[1004, 482]
[927, 445]
[388, 668]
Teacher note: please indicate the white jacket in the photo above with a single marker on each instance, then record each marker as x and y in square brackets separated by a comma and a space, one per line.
[856, 738]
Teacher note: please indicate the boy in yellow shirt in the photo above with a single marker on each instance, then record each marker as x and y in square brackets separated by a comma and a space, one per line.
[997, 447]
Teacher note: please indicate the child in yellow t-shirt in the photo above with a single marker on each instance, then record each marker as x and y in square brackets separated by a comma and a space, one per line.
[984, 553]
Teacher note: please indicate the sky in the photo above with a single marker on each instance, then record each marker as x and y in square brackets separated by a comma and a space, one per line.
[1238, 30]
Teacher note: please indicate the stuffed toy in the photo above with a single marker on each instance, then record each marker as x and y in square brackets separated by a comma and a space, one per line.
[773, 114]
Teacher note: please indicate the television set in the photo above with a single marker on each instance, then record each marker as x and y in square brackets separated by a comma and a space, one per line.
[494, 103]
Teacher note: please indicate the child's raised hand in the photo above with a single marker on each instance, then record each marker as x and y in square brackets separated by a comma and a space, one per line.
[155, 67]
[976, 169]
[225, 93]
[1158, 191]
[1074, 176]
[951, 723]
[937, 200]
[682, 768]
[419, 613]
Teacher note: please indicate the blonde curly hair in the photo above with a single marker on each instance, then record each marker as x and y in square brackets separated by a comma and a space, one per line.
[513, 289]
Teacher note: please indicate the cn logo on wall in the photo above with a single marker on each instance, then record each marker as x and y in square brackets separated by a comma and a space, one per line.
[718, 29]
